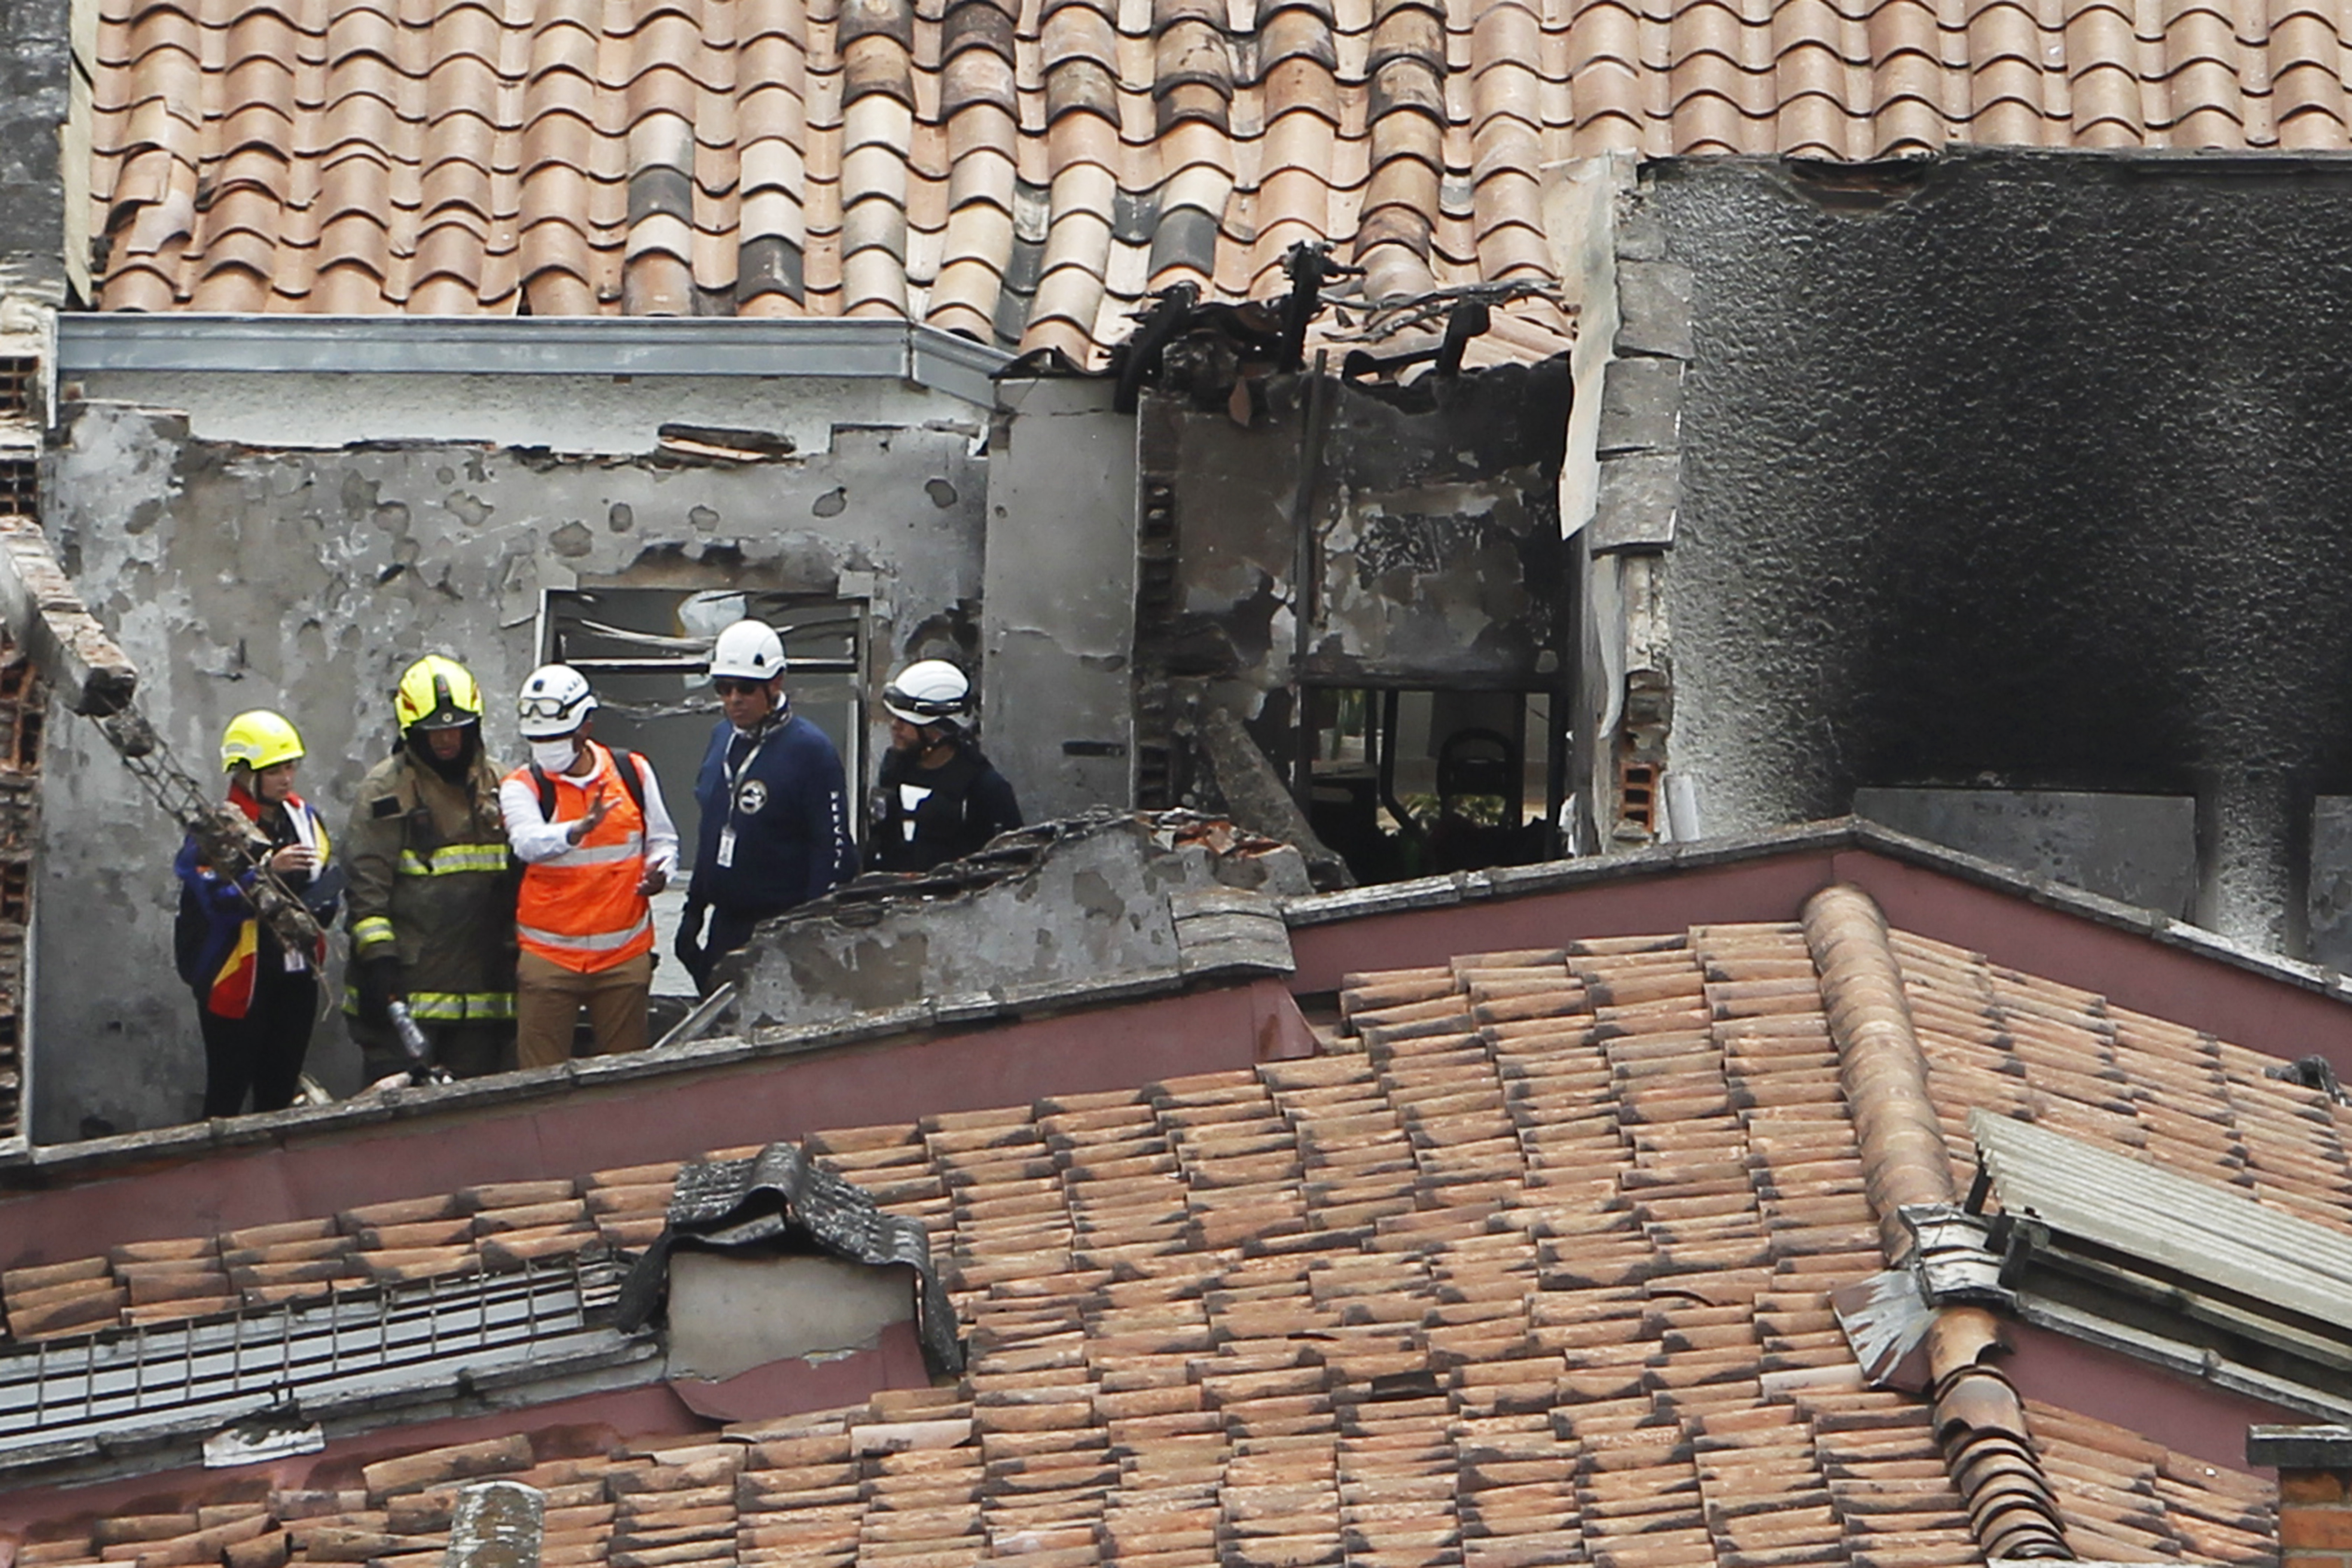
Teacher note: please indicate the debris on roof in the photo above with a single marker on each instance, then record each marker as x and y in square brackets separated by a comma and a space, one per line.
[777, 1201]
[1098, 900]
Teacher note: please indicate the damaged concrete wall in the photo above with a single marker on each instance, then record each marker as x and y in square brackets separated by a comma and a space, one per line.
[2020, 468]
[1436, 551]
[240, 577]
[1058, 614]
[35, 80]
[1093, 910]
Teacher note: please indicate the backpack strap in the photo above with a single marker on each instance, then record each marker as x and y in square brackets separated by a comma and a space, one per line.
[632, 779]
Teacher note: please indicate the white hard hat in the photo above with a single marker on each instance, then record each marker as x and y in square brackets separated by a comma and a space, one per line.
[929, 692]
[748, 650]
[555, 700]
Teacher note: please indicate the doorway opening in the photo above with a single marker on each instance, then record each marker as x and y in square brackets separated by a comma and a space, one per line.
[648, 651]
[1411, 782]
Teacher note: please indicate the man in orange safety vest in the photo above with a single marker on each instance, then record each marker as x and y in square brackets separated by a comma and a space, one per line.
[596, 840]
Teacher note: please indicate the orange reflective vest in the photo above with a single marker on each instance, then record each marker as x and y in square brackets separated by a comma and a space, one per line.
[581, 909]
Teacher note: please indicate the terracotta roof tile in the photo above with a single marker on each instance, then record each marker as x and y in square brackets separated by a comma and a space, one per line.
[1505, 1294]
[769, 159]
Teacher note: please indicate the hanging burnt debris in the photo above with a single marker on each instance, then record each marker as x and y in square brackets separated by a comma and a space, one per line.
[1319, 556]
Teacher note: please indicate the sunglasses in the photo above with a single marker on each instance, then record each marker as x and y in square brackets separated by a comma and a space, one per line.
[738, 688]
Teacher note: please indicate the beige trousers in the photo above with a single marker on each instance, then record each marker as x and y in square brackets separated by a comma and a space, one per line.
[548, 999]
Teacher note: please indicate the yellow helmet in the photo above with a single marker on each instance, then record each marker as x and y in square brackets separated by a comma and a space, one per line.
[436, 693]
[259, 740]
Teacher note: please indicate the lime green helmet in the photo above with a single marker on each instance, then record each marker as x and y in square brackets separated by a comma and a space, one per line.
[259, 740]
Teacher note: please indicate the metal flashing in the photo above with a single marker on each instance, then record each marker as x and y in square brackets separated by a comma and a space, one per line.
[2191, 1361]
[92, 344]
[2301, 1448]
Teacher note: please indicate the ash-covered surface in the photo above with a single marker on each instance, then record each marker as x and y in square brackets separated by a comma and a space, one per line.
[2026, 468]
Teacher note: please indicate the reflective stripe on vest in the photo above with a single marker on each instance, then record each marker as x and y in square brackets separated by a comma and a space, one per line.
[581, 909]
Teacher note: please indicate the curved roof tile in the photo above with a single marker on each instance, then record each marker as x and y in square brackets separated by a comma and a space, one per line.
[866, 156]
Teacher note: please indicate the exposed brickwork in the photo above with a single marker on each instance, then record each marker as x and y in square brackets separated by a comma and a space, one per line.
[2315, 1519]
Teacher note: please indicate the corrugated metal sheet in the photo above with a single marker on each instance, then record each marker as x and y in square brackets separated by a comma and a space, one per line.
[2189, 1228]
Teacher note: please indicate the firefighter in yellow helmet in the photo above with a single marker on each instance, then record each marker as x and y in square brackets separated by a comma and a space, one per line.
[431, 900]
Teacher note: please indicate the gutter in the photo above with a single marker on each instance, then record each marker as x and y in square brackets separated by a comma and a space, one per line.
[97, 342]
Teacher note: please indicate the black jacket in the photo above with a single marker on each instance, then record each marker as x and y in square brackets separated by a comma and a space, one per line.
[927, 817]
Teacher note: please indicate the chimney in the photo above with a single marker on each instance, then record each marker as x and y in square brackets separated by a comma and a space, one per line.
[2315, 1467]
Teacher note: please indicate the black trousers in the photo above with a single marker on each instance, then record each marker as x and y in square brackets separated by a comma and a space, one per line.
[728, 930]
[263, 1051]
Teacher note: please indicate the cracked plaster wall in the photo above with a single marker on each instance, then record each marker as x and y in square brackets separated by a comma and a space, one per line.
[2020, 468]
[240, 577]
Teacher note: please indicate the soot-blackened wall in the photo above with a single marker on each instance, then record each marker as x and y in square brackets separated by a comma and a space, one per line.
[2020, 467]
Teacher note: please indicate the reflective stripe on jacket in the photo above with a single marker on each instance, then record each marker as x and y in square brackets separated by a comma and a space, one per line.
[432, 884]
[581, 908]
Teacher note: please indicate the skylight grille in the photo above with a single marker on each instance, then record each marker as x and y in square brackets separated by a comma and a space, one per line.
[57, 1397]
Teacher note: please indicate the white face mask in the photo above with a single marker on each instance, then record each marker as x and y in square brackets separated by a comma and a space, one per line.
[554, 757]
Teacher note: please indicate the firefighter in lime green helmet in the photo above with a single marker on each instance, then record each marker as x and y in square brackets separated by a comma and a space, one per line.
[432, 905]
[255, 1000]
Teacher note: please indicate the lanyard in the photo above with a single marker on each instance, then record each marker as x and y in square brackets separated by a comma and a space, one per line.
[734, 775]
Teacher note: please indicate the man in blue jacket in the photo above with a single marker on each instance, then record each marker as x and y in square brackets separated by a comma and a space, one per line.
[775, 806]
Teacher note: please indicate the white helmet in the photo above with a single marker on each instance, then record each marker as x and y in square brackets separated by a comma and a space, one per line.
[555, 700]
[748, 650]
[929, 692]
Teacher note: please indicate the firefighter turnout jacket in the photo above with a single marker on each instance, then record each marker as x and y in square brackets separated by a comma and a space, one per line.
[580, 906]
[431, 884]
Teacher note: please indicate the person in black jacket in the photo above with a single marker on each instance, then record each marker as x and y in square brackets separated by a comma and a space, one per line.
[775, 806]
[937, 799]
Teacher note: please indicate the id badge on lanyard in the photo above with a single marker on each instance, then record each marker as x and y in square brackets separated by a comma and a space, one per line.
[734, 776]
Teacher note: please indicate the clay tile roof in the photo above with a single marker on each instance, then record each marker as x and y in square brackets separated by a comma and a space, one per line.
[1023, 174]
[1533, 1268]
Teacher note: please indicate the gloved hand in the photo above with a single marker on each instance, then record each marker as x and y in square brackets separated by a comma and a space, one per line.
[379, 987]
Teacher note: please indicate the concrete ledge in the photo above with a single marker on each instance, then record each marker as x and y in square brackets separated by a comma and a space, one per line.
[26, 1165]
[89, 343]
[2300, 1448]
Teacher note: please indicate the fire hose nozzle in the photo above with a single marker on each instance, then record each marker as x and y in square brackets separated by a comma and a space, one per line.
[423, 1068]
